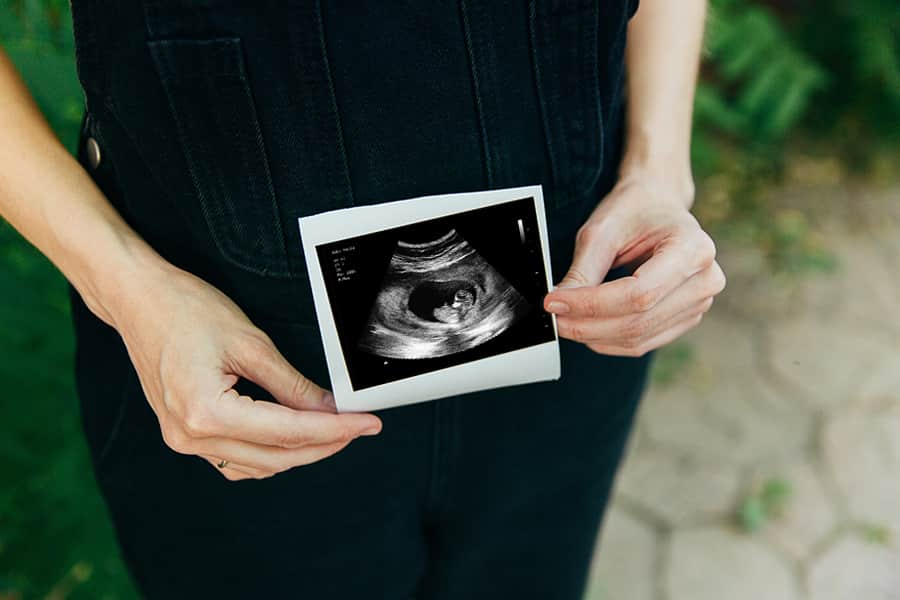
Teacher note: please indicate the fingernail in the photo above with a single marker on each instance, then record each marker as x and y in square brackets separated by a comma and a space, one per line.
[374, 430]
[328, 400]
[559, 308]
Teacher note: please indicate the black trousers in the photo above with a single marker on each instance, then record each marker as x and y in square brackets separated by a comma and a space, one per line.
[496, 494]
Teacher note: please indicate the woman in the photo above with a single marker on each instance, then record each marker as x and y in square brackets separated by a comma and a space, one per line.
[210, 126]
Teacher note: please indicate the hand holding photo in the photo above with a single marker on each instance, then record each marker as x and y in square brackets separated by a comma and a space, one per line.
[431, 297]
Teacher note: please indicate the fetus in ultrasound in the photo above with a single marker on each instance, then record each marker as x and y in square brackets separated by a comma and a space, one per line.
[439, 298]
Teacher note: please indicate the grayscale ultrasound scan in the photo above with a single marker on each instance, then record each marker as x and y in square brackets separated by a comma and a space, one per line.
[439, 298]
[438, 293]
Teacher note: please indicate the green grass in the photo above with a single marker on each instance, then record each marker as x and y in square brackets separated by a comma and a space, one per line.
[55, 536]
[765, 503]
[670, 361]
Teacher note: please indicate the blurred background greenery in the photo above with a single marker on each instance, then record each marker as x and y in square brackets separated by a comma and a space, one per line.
[781, 78]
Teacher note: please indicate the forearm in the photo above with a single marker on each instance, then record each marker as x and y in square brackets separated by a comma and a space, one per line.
[662, 60]
[49, 199]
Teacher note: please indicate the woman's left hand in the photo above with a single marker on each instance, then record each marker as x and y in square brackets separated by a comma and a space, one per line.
[647, 223]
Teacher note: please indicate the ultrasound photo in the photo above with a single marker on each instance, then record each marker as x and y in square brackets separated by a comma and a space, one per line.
[438, 293]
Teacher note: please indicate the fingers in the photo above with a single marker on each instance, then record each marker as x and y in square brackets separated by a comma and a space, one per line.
[255, 357]
[258, 439]
[234, 472]
[635, 350]
[624, 332]
[638, 333]
[672, 263]
[595, 250]
[271, 424]
[280, 438]
[259, 461]
[692, 297]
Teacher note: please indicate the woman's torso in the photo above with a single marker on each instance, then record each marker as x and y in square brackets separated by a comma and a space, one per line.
[221, 122]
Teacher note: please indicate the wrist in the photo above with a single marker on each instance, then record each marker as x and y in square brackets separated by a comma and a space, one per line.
[114, 283]
[664, 165]
[677, 186]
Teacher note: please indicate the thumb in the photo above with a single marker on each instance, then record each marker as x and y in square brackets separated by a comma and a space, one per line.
[256, 358]
[595, 251]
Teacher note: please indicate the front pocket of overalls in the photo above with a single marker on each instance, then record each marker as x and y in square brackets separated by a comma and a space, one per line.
[212, 106]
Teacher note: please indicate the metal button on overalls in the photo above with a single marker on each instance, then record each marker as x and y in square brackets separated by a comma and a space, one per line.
[92, 149]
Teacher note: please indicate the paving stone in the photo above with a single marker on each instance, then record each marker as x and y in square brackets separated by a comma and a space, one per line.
[678, 489]
[853, 569]
[754, 291]
[721, 408]
[864, 288]
[716, 563]
[809, 514]
[861, 447]
[624, 563]
[835, 342]
[829, 361]
[881, 386]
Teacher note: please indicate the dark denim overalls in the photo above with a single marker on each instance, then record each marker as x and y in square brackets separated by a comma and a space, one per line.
[220, 122]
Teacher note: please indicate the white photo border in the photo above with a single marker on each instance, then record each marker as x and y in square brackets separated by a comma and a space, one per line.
[526, 365]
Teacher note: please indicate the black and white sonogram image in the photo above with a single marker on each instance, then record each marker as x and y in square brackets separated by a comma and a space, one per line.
[439, 297]
[438, 293]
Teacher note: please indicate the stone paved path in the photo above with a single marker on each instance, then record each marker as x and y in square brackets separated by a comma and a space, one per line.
[793, 384]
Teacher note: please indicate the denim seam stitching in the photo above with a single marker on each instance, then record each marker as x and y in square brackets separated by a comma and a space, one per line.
[597, 96]
[479, 108]
[280, 253]
[541, 94]
[332, 94]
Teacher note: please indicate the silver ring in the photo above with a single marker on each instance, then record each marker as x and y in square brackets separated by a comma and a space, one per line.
[222, 464]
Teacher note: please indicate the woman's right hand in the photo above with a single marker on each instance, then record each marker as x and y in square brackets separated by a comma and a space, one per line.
[189, 344]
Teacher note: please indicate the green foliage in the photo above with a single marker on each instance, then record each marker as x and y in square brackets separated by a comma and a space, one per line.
[55, 536]
[859, 42]
[37, 35]
[760, 83]
[827, 69]
[779, 74]
[764, 504]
